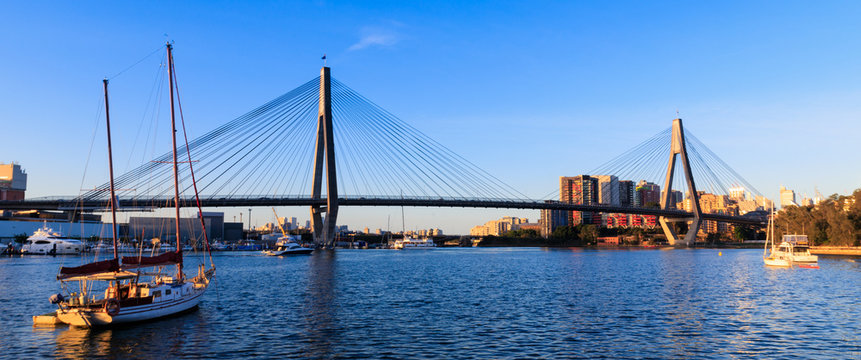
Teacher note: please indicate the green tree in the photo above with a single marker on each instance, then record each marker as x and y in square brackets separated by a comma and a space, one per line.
[589, 234]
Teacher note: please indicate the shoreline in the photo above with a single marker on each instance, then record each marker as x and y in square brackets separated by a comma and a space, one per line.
[836, 250]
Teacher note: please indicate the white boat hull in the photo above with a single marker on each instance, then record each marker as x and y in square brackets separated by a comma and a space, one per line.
[56, 247]
[777, 262]
[807, 259]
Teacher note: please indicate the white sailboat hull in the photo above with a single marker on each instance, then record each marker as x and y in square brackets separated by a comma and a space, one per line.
[777, 262]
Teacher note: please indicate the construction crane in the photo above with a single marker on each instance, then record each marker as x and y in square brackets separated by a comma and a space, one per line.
[279, 222]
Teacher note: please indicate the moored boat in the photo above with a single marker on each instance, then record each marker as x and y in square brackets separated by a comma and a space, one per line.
[408, 243]
[286, 246]
[798, 248]
[46, 241]
[111, 291]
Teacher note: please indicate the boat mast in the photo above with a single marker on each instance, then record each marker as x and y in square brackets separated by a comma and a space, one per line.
[111, 171]
[175, 165]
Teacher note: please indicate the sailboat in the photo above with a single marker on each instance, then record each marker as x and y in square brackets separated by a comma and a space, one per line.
[408, 243]
[113, 292]
[775, 257]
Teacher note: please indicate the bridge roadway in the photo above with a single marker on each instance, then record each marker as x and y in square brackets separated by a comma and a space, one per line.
[139, 204]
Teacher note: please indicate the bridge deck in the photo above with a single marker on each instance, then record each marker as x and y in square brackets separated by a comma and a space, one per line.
[74, 204]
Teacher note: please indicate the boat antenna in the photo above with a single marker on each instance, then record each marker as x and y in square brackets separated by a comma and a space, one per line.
[111, 171]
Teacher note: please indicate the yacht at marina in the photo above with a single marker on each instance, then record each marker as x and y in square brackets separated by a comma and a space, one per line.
[287, 247]
[46, 241]
[408, 243]
[796, 248]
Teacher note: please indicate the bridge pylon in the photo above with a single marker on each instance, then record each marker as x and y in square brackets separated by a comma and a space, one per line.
[324, 230]
[678, 148]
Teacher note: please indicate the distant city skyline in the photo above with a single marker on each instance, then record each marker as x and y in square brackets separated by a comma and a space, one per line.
[528, 92]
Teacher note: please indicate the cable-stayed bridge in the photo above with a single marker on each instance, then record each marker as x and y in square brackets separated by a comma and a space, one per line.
[323, 138]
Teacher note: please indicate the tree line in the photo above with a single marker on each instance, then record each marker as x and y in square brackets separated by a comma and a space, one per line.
[835, 221]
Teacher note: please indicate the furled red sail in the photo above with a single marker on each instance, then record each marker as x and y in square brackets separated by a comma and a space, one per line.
[168, 258]
[111, 265]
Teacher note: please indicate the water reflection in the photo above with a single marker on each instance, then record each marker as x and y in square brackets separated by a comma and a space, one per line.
[174, 335]
[681, 301]
[80, 343]
[319, 305]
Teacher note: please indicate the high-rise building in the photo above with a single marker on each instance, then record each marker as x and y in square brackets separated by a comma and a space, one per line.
[580, 190]
[552, 219]
[787, 197]
[764, 202]
[736, 193]
[608, 190]
[626, 193]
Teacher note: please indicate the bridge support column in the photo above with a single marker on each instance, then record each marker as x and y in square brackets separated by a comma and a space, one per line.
[678, 147]
[324, 228]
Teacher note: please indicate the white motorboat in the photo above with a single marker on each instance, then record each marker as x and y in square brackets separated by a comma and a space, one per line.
[287, 244]
[111, 292]
[45, 241]
[798, 249]
[408, 243]
[217, 246]
[288, 247]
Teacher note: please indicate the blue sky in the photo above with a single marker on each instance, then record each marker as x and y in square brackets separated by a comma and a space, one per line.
[528, 91]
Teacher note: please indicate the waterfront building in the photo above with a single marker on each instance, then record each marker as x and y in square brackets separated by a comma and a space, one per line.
[552, 219]
[617, 220]
[165, 227]
[478, 230]
[496, 227]
[787, 197]
[580, 190]
[528, 226]
[644, 221]
[13, 182]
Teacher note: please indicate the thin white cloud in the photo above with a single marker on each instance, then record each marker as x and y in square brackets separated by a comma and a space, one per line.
[375, 36]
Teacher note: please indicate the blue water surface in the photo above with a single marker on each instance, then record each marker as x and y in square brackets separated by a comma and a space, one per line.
[466, 303]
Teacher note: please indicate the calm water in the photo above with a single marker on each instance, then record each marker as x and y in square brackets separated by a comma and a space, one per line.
[472, 303]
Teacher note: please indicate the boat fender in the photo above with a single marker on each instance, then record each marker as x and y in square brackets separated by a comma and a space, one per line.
[112, 307]
[56, 298]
